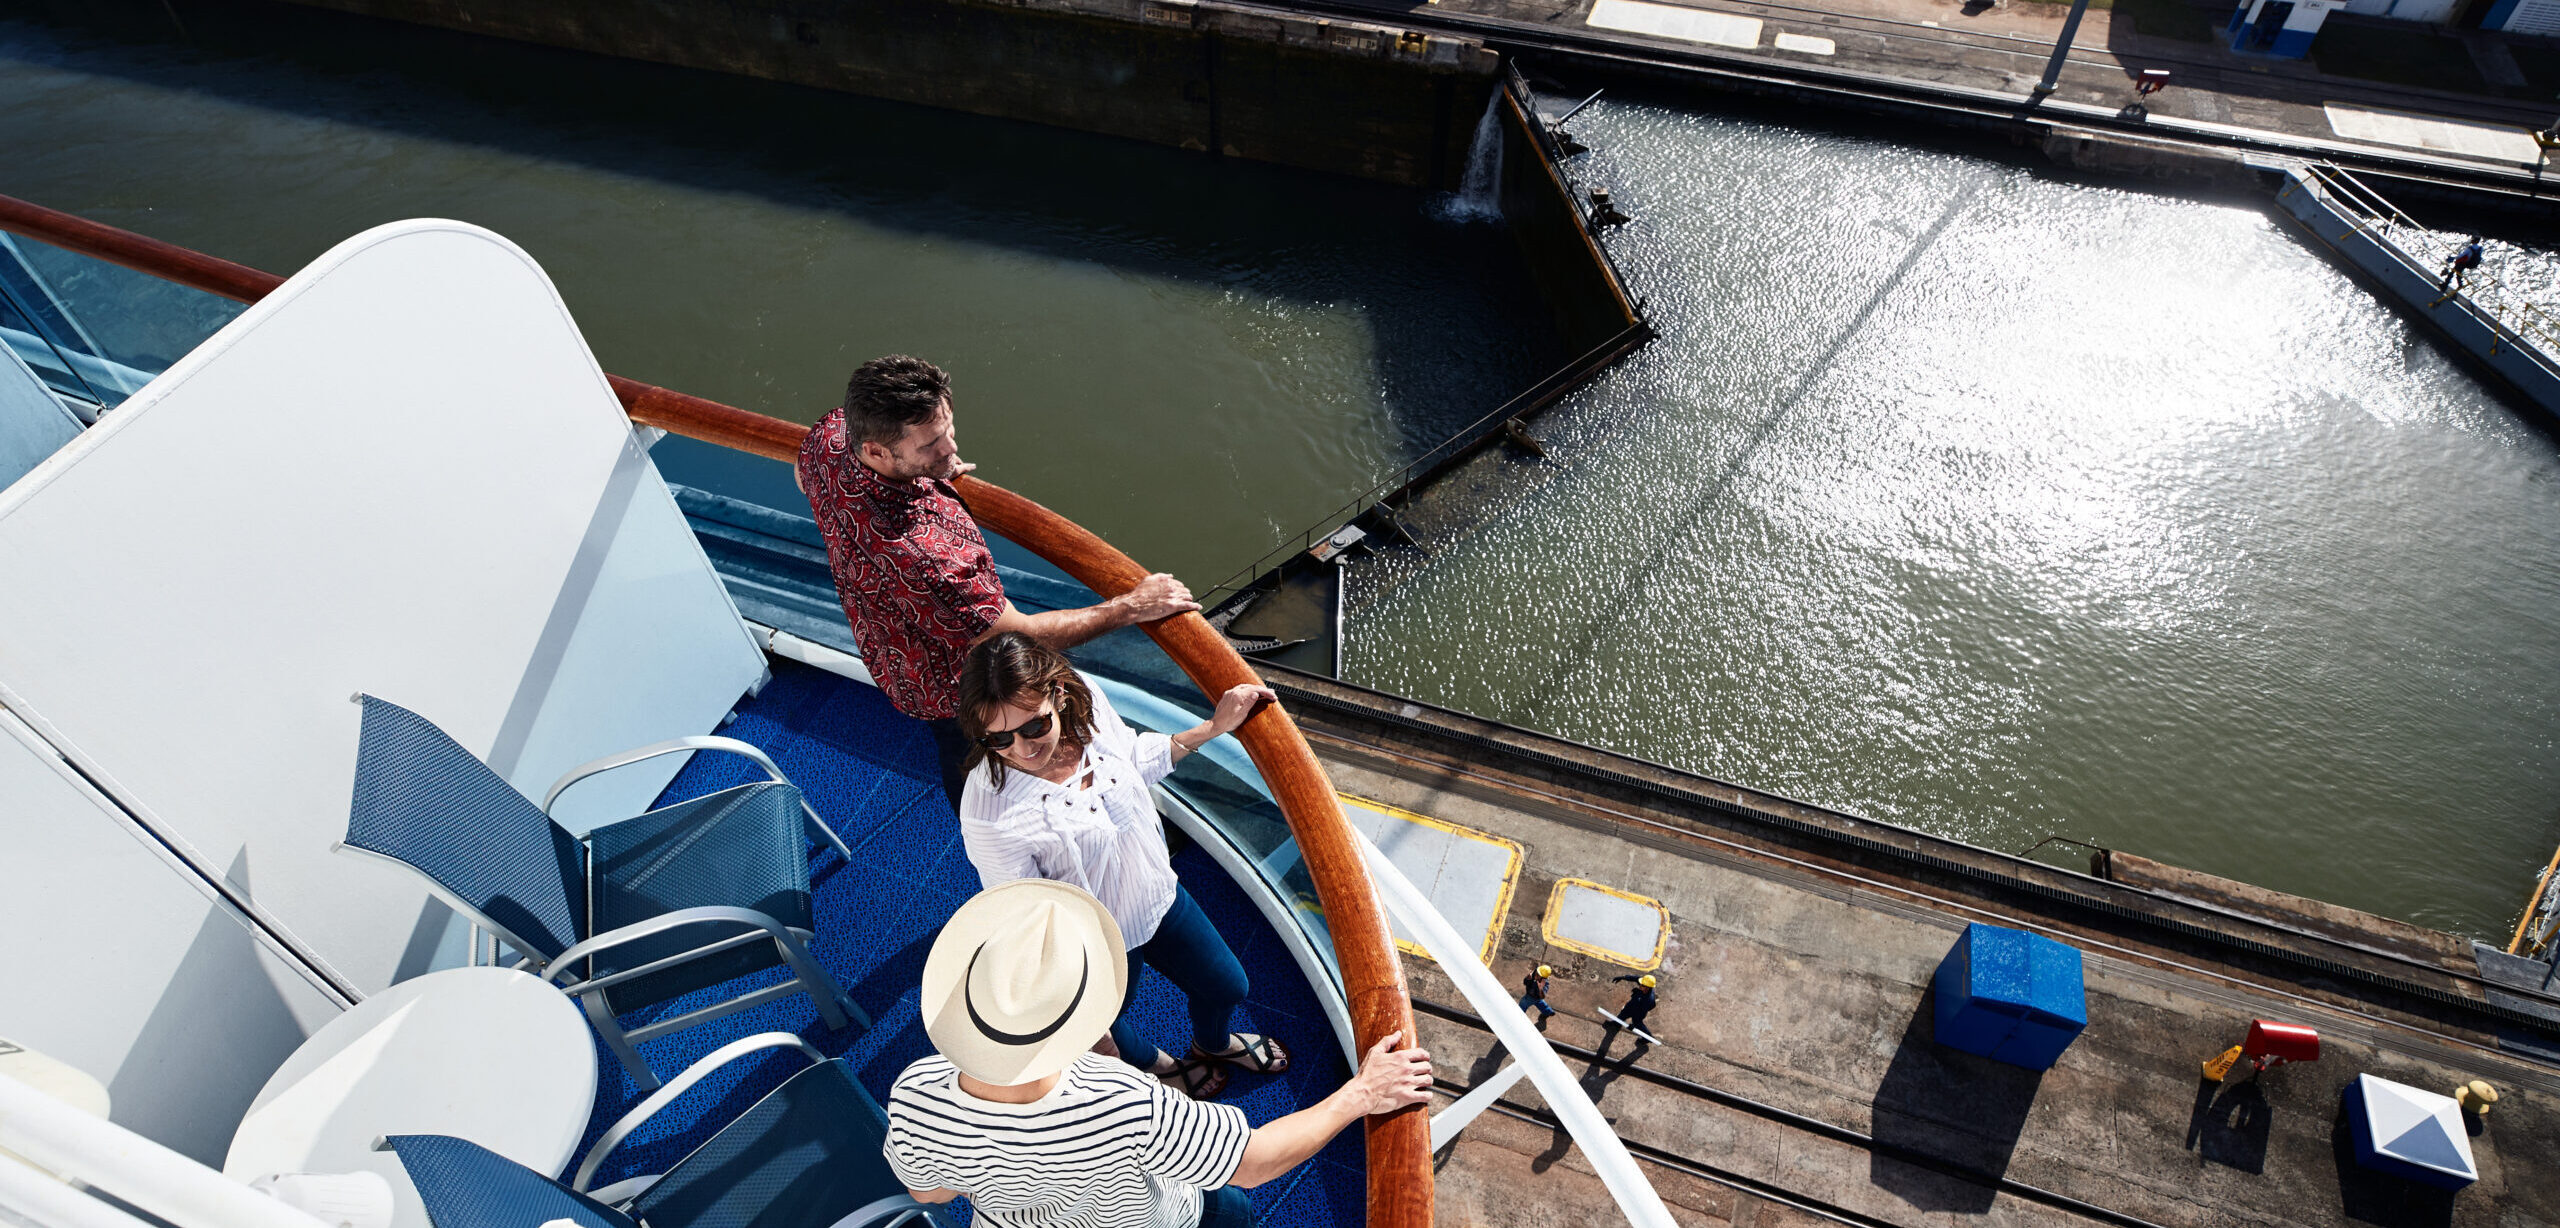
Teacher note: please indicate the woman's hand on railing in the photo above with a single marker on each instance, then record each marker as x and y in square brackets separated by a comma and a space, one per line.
[1238, 703]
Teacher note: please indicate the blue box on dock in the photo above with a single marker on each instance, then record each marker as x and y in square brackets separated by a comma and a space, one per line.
[2010, 996]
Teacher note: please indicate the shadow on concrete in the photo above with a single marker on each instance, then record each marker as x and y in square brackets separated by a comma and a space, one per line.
[2230, 1124]
[2369, 1197]
[1604, 1071]
[1485, 1066]
[1595, 1082]
[1967, 1111]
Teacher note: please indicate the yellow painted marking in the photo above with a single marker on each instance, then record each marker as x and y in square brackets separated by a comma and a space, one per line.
[1646, 962]
[1510, 875]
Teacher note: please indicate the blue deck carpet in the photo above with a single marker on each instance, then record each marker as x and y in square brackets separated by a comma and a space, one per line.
[870, 772]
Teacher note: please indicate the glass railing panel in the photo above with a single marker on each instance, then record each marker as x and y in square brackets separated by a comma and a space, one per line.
[48, 360]
[94, 330]
[1152, 693]
[1220, 783]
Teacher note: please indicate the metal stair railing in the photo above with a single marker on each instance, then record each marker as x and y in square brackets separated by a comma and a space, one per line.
[2510, 318]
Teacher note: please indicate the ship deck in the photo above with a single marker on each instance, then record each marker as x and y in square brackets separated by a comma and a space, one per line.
[870, 772]
[1796, 1080]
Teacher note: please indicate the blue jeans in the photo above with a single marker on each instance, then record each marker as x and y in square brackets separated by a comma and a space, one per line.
[1189, 952]
[1528, 1000]
[1225, 1207]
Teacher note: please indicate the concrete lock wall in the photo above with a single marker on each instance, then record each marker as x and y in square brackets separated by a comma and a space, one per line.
[1355, 98]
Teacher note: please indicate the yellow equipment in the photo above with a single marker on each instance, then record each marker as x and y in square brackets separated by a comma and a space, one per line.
[2219, 1066]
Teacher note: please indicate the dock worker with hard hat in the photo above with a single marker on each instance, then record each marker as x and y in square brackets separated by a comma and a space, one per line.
[1533, 992]
[1016, 1112]
[1640, 1000]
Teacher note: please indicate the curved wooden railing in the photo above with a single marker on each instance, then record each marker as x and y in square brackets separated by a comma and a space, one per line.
[1399, 1146]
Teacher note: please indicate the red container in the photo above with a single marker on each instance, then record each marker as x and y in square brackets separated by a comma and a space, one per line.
[2291, 1042]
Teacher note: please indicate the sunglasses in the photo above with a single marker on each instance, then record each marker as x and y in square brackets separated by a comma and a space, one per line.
[1035, 728]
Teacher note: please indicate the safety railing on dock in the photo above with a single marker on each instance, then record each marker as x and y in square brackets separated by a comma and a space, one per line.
[1398, 1144]
[2541, 921]
[2511, 318]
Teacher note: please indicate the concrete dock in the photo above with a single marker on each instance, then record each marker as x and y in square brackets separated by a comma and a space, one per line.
[1797, 1081]
[1917, 57]
[1389, 89]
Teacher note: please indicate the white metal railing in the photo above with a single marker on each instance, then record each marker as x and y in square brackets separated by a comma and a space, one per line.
[55, 1144]
[2511, 319]
[1529, 1051]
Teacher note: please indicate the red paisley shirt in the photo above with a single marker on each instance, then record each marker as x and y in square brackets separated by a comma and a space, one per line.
[910, 566]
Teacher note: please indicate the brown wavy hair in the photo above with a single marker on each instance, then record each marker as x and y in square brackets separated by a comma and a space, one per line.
[1012, 667]
[888, 395]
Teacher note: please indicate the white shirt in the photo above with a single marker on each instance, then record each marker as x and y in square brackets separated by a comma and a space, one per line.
[1108, 1147]
[1105, 837]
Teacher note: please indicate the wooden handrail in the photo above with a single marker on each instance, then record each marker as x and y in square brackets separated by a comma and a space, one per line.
[166, 261]
[1399, 1144]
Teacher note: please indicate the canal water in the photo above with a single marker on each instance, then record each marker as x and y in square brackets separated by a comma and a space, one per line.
[1953, 495]
[2006, 507]
[1189, 356]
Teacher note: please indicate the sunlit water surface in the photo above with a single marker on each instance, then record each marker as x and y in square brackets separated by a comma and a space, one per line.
[1192, 357]
[2006, 507]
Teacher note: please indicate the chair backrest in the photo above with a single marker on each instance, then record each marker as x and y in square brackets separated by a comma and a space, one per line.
[465, 1185]
[423, 799]
[805, 1156]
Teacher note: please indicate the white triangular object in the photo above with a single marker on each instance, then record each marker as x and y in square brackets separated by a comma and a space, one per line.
[2394, 1109]
[2416, 1127]
[2431, 1142]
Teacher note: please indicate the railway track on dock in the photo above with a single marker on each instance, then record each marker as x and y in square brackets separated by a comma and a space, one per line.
[2440, 1033]
[1795, 1123]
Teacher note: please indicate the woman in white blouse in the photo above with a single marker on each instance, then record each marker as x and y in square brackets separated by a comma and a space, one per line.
[1058, 789]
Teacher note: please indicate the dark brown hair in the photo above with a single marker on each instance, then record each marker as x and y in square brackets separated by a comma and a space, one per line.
[888, 395]
[1010, 668]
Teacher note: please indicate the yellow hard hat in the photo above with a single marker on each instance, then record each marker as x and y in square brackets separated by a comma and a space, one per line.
[1544, 970]
[1646, 980]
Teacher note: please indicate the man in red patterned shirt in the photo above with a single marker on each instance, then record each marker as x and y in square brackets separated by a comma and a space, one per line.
[914, 574]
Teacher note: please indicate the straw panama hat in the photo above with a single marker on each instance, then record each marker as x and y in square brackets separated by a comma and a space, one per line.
[1022, 980]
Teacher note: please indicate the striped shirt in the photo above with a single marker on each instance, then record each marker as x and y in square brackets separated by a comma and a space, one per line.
[1105, 838]
[1108, 1147]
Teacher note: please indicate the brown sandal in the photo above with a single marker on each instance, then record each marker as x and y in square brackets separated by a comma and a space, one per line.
[1197, 1079]
[1258, 1054]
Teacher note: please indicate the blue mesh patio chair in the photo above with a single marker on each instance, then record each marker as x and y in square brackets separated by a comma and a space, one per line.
[807, 1155]
[628, 916]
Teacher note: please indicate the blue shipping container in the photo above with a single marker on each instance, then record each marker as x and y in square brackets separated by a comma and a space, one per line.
[2010, 996]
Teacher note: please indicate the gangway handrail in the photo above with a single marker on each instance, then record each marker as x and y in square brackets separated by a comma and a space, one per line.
[1571, 1101]
[2484, 298]
[1398, 1144]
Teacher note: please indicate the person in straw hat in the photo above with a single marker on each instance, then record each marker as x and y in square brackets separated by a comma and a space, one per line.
[1016, 1111]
